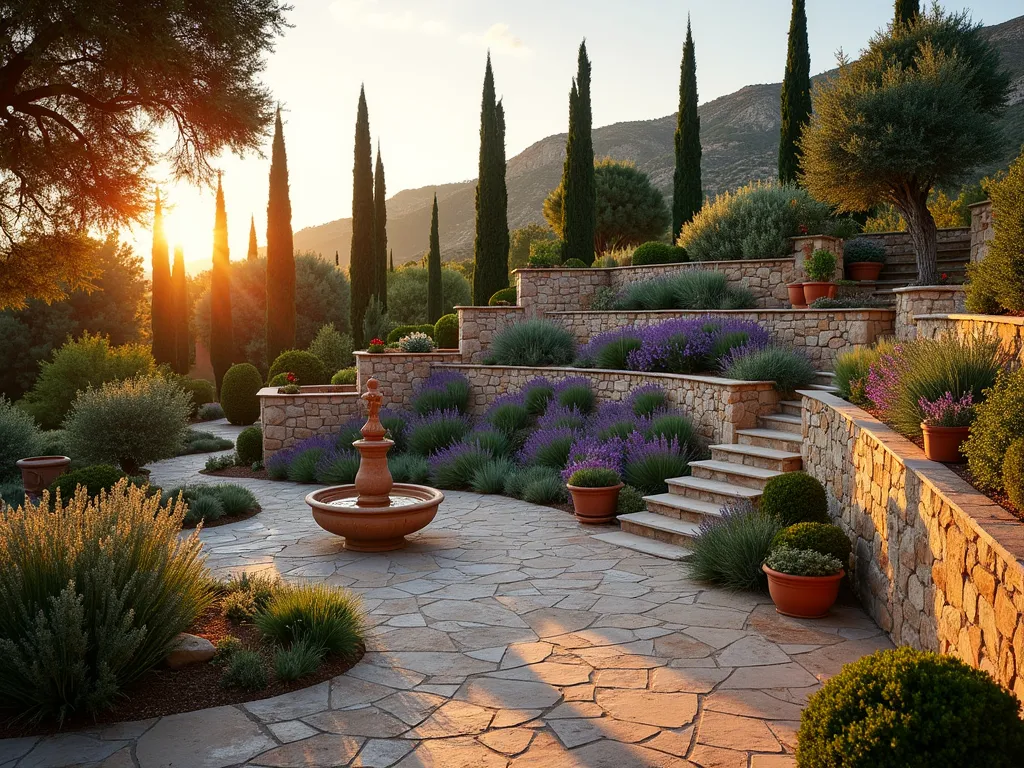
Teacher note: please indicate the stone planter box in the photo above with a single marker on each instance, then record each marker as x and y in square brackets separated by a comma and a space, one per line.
[1009, 330]
[916, 300]
[315, 410]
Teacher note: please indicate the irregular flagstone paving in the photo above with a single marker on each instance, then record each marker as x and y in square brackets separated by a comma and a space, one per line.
[505, 635]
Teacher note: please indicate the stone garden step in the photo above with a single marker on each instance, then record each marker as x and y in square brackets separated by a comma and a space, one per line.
[643, 544]
[682, 507]
[824, 377]
[791, 407]
[770, 438]
[734, 473]
[758, 456]
[824, 388]
[783, 422]
[714, 491]
[664, 529]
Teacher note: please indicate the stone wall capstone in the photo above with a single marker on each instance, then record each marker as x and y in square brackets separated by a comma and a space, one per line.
[937, 565]
[287, 419]
[1009, 331]
[925, 300]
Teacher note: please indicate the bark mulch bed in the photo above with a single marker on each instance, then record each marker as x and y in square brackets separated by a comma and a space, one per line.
[248, 472]
[163, 691]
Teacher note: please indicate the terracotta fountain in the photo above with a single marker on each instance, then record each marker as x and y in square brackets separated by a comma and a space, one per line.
[374, 514]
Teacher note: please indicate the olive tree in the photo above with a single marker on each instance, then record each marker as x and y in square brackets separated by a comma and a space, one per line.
[916, 110]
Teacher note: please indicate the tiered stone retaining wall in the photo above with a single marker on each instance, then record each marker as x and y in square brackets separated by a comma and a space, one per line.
[717, 406]
[399, 373]
[924, 300]
[1009, 330]
[287, 419]
[937, 564]
[820, 334]
[477, 326]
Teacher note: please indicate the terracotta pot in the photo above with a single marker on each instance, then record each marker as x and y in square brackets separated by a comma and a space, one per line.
[595, 505]
[796, 295]
[38, 472]
[815, 290]
[804, 597]
[863, 270]
[943, 443]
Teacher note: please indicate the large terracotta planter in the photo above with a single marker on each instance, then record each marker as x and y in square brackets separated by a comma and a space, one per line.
[804, 597]
[595, 505]
[943, 443]
[38, 472]
[796, 295]
[814, 291]
[863, 270]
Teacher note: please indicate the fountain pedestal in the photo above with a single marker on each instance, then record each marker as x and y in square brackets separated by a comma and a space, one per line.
[374, 514]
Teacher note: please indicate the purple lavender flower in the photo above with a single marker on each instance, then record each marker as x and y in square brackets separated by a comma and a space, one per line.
[548, 446]
[637, 447]
[613, 419]
[572, 381]
[450, 454]
[277, 465]
[885, 379]
[947, 411]
[443, 379]
[692, 345]
[561, 416]
[590, 452]
[589, 352]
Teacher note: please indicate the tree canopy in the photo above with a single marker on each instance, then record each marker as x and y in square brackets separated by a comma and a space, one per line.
[85, 86]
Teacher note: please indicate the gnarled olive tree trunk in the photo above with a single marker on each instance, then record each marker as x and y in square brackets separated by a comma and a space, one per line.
[914, 208]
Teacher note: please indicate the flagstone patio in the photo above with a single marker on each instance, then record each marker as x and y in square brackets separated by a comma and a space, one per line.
[505, 635]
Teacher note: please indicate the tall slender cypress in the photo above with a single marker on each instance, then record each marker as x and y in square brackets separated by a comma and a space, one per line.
[380, 233]
[361, 268]
[796, 94]
[907, 11]
[391, 261]
[253, 252]
[280, 253]
[161, 312]
[490, 249]
[580, 200]
[434, 269]
[179, 303]
[687, 195]
[222, 340]
[337, 259]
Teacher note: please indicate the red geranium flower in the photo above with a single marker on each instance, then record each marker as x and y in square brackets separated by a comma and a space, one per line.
[376, 342]
[291, 377]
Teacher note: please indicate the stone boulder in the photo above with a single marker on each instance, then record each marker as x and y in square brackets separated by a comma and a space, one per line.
[189, 649]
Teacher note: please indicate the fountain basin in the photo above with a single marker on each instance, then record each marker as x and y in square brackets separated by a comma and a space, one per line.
[374, 528]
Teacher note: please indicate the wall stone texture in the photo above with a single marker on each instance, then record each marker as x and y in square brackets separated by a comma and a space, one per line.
[399, 373]
[320, 410]
[982, 230]
[925, 300]
[477, 326]
[1009, 331]
[804, 246]
[936, 564]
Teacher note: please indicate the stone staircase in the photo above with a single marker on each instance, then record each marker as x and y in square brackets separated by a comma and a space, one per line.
[735, 472]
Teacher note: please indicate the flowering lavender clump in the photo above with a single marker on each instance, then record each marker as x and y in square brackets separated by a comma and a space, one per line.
[453, 467]
[436, 430]
[613, 420]
[649, 462]
[442, 390]
[576, 392]
[692, 345]
[885, 379]
[646, 400]
[609, 350]
[548, 447]
[562, 416]
[536, 393]
[947, 411]
[277, 465]
[591, 452]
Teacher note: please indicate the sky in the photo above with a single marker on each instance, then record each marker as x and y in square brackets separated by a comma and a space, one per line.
[422, 64]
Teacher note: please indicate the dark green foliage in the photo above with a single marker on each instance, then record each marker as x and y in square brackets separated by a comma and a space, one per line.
[597, 477]
[729, 551]
[906, 708]
[222, 340]
[687, 193]
[654, 252]
[452, 394]
[249, 445]
[692, 290]
[578, 396]
[204, 507]
[580, 196]
[533, 343]
[329, 617]
[546, 253]
[796, 94]
[907, 10]
[19, 438]
[408, 289]
[438, 432]
[646, 402]
[280, 322]
[362, 268]
[509, 418]
[238, 394]
[795, 497]
[446, 332]
[162, 311]
[95, 478]
[409, 468]
[493, 441]
[852, 303]
[554, 454]
[852, 368]
[245, 670]
[648, 473]
[802, 562]
[334, 349]
[490, 477]
[1013, 473]
[504, 296]
[613, 355]
[279, 380]
[455, 470]
[200, 390]
[675, 425]
[821, 537]
[434, 304]
[490, 248]
[307, 367]
[300, 659]
[302, 468]
[860, 250]
[789, 369]
[574, 264]
[537, 485]
[340, 471]
[344, 376]
[630, 501]
[236, 499]
[997, 281]
[253, 251]
[203, 442]
[821, 265]
[998, 422]
[380, 232]
[522, 244]
[537, 398]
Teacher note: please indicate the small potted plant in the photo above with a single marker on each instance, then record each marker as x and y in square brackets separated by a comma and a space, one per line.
[802, 583]
[796, 290]
[863, 259]
[595, 494]
[947, 423]
[292, 387]
[821, 269]
[377, 346]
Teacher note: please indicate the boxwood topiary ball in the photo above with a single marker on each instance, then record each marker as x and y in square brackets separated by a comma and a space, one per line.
[249, 445]
[910, 709]
[446, 332]
[795, 497]
[238, 394]
[820, 537]
[307, 367]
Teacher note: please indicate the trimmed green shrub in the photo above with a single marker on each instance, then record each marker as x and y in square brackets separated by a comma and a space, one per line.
[821, 537]
[861, 249]
[93, 594]
[545, 253]
[129, 423]
[574, 264]
[442, 429]
[328, 617]
[210, 412]
[730, 549]
[249, 445]
[533, 343]
[344, 376]
[1013, 473]
[200, 390]
[446, 332]
[238, 392]
[998, 422]
[332, 348]
[197, 441]
[789, 369]
[905, 708]
[95, 478]
[504, 296]
[490, 477]
[226, 647]
[245, 670]
[554, 453]
[299, 660]
[630, 501]
[795, 497]
[306, 366]
[654, 252]
[19, 438]
[409, 468]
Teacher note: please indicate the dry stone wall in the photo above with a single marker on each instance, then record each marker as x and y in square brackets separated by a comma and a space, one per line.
[287, 419]
[399, 373]
[936, 564]
[925, 300]
[477, 326]
[982, 230]
[1009, 331]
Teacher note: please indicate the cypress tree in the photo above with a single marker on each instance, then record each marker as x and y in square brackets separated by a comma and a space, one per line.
[380, 233]
[253, 253]
[391, 267]
[490, 249]
[179, 294]
[907, 11]
[687, 195]
[337, 259]
[222, 341]
[796, 94]
[161, 312]
[280, 253]
[434, 269]
[361, 267]
[580, 201]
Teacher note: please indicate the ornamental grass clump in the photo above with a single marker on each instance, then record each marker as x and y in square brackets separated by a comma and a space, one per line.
[577, 393]
[533, 343]
[409, 468]
[537, 485]
[508, 414]
[730, 548]
[437, 430]
[537, 392]
[646, 400]
[673, 426]
[337, 467]
[327, 617]
[788, 369]
[494, 442]
[560, 416]
[490, 477]
[93, 593]
[609, 350]
[441, 391]
[648, 462]
[547, 447]
[452, 468]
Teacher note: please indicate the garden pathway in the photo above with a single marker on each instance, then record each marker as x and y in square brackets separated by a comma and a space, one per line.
[505, 635]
